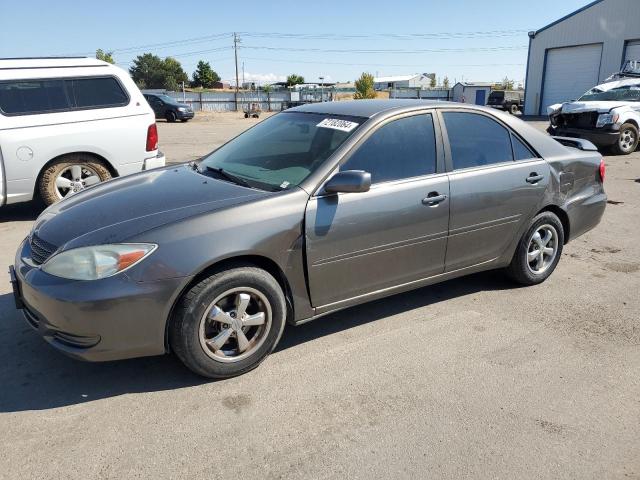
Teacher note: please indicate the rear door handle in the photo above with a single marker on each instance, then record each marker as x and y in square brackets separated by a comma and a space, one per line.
[534, 177]
[434, 199]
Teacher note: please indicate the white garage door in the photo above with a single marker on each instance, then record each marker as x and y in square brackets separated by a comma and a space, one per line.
[569, 73]
[633, 51]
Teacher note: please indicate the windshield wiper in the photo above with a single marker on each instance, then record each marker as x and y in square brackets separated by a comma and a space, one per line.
[228, 176]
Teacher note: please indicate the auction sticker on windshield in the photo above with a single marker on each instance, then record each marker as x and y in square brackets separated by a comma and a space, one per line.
[337, 124]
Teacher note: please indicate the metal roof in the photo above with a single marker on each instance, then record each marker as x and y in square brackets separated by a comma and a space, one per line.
[367, 108]
[568, 16]
[395, 78]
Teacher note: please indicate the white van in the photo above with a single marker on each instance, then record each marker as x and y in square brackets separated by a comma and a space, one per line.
[67, 124]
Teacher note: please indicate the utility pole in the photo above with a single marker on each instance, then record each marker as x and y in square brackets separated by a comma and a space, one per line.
[236, 39]
[243, 73]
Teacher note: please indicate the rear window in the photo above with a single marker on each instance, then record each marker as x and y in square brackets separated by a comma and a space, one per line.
[29, 97]
[496, 95]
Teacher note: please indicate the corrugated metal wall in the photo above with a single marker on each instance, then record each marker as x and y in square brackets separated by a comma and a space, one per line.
[610, 22]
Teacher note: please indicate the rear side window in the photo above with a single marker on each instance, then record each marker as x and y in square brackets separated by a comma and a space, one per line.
[520, 150]
[33, 96]
[476, 140]
[98, 92]
[29, 97]
[400, 149]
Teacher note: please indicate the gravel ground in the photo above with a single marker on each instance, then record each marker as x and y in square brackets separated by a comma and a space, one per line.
[473, 378]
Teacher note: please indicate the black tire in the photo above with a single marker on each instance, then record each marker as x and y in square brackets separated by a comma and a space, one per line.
[47, 182]
[184, 332]
[170, 116]
[184, 120]
[246, 115]
[623, 145]
[519, 269]
[513, 109]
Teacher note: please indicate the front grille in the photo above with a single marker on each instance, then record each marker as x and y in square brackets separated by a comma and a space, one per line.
[41, 250]
[578, 120]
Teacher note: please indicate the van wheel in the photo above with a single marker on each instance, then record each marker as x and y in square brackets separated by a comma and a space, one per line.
[71, 174]
[171, 117]
[538, 251]
[514, 109]
[627, 140]
[227, 324]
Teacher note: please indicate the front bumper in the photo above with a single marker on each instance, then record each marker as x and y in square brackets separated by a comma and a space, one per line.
[602, 137]
[185, 115]
[109, 319]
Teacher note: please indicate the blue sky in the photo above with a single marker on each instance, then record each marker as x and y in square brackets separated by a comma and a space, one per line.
[465, 39]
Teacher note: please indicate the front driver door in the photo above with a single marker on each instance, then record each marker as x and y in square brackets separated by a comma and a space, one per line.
[359, 243]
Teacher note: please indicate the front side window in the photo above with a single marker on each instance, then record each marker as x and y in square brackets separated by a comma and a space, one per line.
[281, 151]
[476, 140]
[400, 149]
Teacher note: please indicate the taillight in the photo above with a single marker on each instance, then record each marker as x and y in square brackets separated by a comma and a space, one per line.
[602, 170]
[152, 138]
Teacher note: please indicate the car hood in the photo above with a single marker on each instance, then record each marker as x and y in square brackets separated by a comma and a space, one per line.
[119, 209]
[580, 107]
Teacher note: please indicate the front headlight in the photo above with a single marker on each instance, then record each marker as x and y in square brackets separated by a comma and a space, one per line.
[182, 109]
[99, 261]
[606, 119]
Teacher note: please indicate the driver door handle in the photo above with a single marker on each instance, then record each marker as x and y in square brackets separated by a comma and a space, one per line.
[433, 199]
[534, 177]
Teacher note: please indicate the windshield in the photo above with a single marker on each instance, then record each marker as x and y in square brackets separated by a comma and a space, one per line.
[628, 93]
[283, 150]
[496, 95]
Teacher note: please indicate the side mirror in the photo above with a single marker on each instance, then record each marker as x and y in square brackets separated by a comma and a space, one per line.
[349, 181]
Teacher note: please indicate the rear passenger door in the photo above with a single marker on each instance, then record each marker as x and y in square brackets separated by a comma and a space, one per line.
[496, 183]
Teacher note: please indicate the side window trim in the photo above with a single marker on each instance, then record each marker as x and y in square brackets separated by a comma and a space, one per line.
[69, 93]
[438, 146]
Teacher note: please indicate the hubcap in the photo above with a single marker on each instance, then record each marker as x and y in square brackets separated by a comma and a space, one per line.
[543, 248]
[627, 139]
[235, 325]
[75, 178]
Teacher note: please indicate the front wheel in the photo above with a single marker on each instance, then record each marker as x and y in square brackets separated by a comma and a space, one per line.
[171, 117]
[627, 140]
[227, 324]
[538, 251]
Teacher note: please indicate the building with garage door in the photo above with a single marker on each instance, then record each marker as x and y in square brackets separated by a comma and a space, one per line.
[579, 51]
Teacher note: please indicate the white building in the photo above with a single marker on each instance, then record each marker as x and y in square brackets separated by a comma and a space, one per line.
[417, 80]
[476, 93]
[579, 51]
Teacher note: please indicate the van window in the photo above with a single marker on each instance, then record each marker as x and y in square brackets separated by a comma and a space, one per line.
[29, 97]
[33, 96]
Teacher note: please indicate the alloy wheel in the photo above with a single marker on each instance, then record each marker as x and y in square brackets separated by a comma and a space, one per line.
[235, 325]
[74, 179]
[627, 139]
[542, 249]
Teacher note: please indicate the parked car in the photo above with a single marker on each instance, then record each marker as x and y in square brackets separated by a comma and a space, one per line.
[511, 101]
[169, 108]
[607, 115]
[316, 209]
[67, 124]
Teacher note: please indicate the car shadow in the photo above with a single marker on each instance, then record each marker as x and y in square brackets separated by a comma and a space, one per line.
[33, 376]
[21, 211]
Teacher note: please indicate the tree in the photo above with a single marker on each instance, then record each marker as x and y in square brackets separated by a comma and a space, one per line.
[364, 87]
[150, 71]
[507, 84]
[294, 79]
[433, 83]
[204, 76]
[445, 82]
[105, 56]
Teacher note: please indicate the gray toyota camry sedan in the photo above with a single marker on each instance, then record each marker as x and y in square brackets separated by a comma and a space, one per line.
[313, 210]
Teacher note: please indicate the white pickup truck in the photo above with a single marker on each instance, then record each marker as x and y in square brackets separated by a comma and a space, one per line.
[67, 124]
[608, 115]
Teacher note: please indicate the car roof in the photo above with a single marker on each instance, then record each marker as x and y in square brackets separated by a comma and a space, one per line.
[370, 108]
[49, 62]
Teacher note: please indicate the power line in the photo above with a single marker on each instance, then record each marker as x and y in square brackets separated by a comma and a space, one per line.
[399, 36]
[320, 62]
[380, 51]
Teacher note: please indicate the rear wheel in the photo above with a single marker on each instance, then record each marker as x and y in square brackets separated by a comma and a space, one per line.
[538, 251]
[70, 175]
[171, 117]
[514, 109]
[227, 324]
[627, 140]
